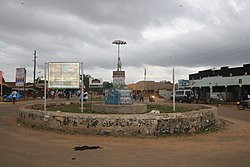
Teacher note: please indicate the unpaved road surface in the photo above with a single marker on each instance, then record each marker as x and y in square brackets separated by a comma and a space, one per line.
[26, 147]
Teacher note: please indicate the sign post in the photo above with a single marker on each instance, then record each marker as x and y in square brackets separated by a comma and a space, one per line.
[95, 82]
[62, 75]
[20, 77]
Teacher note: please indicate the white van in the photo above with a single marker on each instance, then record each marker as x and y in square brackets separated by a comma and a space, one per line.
[185, 95]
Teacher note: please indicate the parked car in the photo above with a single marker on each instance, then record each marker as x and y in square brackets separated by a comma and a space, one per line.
[215, 98]
[185, 95]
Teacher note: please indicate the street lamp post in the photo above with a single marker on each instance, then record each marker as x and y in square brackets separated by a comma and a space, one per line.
[118, 43]
[34, 74]
[173, 90]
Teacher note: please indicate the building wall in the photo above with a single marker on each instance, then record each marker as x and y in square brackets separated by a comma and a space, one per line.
[150, 86]
[223, 71]
[232, 83]
[221, 81]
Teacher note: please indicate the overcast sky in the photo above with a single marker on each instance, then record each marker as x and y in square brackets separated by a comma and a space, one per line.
[190, 35]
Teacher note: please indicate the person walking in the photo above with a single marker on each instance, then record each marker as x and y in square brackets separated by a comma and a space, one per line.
[14, 96]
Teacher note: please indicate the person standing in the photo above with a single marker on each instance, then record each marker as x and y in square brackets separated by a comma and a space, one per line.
[85, 97]
[67, 94]
[14, 95]
[141, 97]
[52, 93]
[197, 98]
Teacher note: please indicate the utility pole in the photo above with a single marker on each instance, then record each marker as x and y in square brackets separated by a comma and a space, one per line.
[173, 90]
[34, 79]
[145, 76]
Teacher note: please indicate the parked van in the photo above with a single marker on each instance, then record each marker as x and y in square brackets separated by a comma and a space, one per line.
[185, 95]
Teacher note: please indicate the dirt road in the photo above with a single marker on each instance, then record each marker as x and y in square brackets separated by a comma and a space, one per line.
[22, 146]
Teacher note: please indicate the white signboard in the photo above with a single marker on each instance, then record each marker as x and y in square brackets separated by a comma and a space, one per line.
[95, 82]
[125, 97]
[20, 77]
[119, 80]
[64, 75]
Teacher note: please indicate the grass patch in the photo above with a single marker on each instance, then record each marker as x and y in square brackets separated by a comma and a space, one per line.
[97, 99]
[72, 108]
[164, 108]
[76, 108]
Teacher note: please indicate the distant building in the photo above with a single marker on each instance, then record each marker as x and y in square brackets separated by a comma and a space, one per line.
[231, 83]
[150, 86]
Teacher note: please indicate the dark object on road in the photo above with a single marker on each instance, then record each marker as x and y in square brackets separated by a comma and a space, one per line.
[82, 148]
[243, 104]
[73, 158]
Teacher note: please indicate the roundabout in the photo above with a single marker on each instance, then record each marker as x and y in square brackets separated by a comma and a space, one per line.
[199, 118]
[31, 147]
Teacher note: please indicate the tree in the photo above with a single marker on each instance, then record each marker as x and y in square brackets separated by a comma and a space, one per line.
[107, 85]
[85, 81]
[165, 82]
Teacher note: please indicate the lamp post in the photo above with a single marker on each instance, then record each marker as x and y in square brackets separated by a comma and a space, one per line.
[118, 43]
[173, 90]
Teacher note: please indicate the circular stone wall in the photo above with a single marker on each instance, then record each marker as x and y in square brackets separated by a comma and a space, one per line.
[147, 124]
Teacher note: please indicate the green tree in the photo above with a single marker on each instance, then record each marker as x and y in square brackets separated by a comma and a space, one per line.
[107, 85]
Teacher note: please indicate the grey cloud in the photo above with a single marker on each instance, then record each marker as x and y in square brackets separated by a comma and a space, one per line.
[62, 30]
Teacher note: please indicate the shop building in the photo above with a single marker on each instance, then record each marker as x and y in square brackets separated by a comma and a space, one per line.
[231, 83]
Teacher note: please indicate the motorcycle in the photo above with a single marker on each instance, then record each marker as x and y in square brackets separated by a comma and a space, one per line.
[152, 98]
[243, 104]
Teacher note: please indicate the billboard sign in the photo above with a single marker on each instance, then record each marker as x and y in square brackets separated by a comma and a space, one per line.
[95, 82]
[64, 75]
[1, 77]
[126, 96]
[20, 77]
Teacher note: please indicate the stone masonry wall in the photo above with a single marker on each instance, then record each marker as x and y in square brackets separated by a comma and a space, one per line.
[120, 124]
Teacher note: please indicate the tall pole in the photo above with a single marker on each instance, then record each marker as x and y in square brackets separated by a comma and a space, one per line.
[45, 86]
[118, 51]
[145, 74]
[34, 75]
[119, 42]
[119, 59]
[82, 88]
[173, 91]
